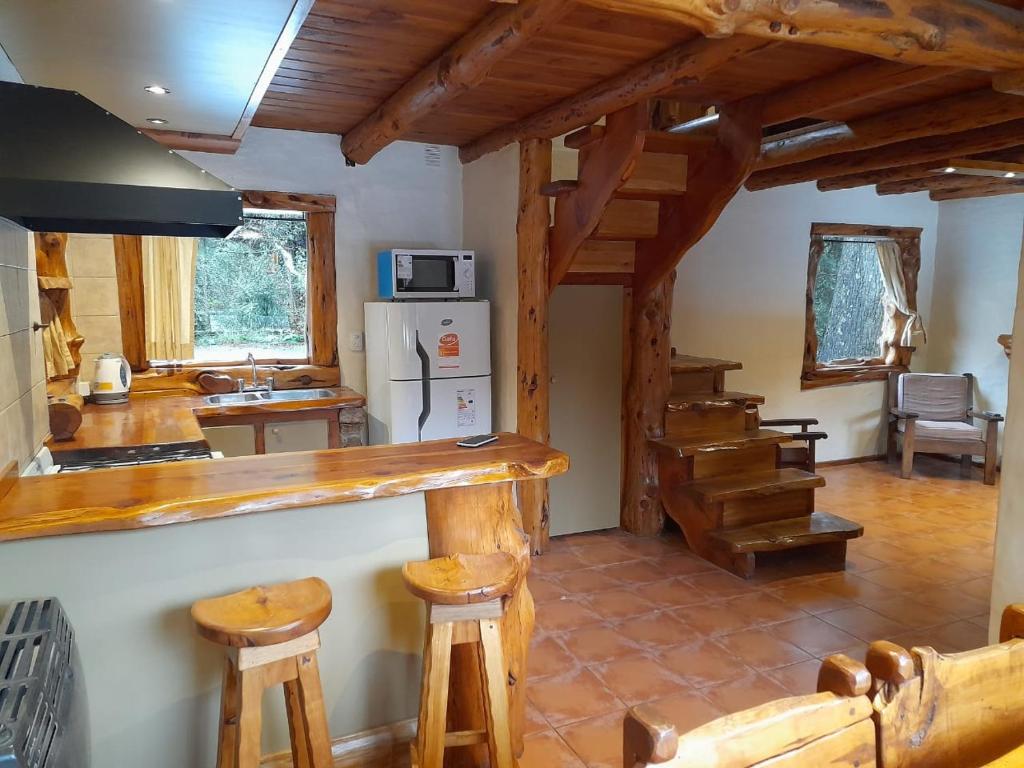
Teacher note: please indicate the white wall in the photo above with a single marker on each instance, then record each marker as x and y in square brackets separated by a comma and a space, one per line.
[397, 200]
[24, 419]
[976, 261]
[740, 295]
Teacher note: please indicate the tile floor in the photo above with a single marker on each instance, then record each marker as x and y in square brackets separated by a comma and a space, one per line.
[624, 620]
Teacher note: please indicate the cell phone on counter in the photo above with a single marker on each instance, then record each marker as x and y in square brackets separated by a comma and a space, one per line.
[476, 441]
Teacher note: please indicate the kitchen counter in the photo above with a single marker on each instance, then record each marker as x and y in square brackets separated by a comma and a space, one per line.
[160, 419]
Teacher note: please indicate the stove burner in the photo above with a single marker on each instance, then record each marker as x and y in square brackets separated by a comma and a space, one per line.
[103, 458]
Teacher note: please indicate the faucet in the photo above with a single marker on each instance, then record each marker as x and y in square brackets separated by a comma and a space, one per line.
[252, 361]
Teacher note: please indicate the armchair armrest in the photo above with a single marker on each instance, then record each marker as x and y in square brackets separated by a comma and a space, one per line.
[985, 415]
[903, 414]
[787, 422]
[809, 435]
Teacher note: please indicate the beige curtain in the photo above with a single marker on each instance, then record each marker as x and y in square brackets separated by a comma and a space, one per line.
[901, 323]
[168, 277]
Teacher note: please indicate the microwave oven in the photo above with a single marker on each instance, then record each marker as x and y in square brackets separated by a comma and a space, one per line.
[403, 273]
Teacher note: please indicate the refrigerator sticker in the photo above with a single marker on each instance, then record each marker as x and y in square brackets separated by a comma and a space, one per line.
[448, 350]
[465, 404]
[403, 266]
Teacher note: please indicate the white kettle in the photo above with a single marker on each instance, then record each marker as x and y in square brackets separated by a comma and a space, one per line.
[112, 378]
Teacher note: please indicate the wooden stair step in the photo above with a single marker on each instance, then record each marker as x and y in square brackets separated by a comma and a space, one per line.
[695, 400]
[628, 220]
[693, 364]
[719, 489]
[612, 256]
[656, 175]
[691, 445]
[817, 528]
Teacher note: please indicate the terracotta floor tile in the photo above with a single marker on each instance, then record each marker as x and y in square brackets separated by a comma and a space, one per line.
[565, 615]
[960, 636]
[744, 693]
[544, 589]
[713, 618]
[909, 611]
[853, 587]
[656, 630]
[859, 563]
[635, 572]
[547, 657]
[798, 679]
[604, 554]
[762, 650]
[863, 623]
[720, 585]
[672, 593]
[571, 697]
[635, 679]
[954, 601]
[813, 635]
[659, 546]
[686, 710]
[899, 578]
[534, 722]
[598, 741]
[811, 598]
[592, 645]
[982, 620]
[546, 749]
[703, 663]
[978, 588]
[556, 562]
[586, 581]
[683, 564]
[616, 604]
[764, 608]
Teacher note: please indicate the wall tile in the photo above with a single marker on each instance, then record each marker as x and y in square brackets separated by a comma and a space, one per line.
[40, 417]
[8, 383]
[93, 296]
[91, 256]
[15, 245]
[102, 333]
[14, 299]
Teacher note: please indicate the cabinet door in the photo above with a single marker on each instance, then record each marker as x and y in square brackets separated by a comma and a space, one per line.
[231, 441]
[296, 436]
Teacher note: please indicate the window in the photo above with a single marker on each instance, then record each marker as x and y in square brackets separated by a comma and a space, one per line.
[861, 303]
[189, 305]
[250, 290]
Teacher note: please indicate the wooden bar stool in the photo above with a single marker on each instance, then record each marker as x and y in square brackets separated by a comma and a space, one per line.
[271, 635]
[464, 596]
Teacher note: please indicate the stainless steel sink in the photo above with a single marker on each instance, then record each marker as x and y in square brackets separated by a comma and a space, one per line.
[279, 396]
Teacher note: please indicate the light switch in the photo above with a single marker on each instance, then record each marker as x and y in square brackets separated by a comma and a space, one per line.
[355, 341]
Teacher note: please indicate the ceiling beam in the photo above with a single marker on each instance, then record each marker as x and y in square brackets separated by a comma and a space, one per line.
[937, 181]
[458, 69]
[977, 189]
[685, 64]
[961, 112]
[915, 171]
[818, 95]
[928, 149]
[196, 142]
[973, 34]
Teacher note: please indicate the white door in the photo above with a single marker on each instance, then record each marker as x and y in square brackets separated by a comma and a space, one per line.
[454, 408]
[438, 339]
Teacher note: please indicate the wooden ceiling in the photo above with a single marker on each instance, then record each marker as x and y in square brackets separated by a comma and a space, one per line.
[350, 56]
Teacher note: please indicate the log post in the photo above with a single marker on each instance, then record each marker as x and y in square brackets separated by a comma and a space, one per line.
[532, 372]
[648, 383]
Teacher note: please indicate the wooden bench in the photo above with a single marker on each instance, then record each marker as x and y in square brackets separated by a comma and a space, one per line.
[901, 709]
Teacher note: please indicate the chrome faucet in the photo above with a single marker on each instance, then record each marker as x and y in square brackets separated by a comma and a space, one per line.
[252, 361]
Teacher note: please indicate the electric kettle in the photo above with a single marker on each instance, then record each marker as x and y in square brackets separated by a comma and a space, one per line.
[112, 378]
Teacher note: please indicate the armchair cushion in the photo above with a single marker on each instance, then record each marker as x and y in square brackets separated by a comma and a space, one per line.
[934, 396]
[945, 430]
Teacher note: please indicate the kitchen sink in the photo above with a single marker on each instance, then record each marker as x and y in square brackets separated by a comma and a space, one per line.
[279, 396]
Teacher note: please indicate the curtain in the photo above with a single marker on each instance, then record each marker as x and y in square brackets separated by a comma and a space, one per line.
[168, 278]
[901, 322]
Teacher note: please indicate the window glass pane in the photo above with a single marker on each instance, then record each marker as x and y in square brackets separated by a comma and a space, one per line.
[250, 290]
[848, 301]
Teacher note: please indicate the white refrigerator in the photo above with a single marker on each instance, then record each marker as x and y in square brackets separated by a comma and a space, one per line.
[428, 370]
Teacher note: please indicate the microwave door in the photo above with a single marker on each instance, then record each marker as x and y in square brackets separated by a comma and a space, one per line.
[428, 274]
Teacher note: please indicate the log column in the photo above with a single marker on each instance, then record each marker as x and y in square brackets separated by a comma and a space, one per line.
[648, 383]
[532, 372]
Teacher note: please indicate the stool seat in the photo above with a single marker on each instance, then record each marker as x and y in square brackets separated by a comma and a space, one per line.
[462, 579]
[261, 616]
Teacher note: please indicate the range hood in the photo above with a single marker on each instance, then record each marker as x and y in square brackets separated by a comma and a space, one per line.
[67, 165]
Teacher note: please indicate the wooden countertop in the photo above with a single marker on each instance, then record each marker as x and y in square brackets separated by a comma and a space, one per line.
[167, 419]
[130, 498]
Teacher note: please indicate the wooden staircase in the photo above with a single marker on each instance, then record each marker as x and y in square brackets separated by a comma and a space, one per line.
[721, 480]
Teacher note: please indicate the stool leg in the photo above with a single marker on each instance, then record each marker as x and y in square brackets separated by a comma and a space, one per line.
[433, 720]
[227, 732]
[314, 717]
[250, 719]
[297, 730]
[499, 736]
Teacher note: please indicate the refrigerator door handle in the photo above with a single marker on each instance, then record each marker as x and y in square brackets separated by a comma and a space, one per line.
[425, 384]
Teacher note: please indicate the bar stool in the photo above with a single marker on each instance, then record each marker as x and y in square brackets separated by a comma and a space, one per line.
[464, 596]
[271, 638]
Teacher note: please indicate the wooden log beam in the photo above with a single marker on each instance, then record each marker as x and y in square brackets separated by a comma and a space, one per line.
[955, 113]
[607, 164]
[1009, 82]
[934, 182]
[978, 189]
[131, 300]
[973, 34]
[915, 171]
[533, 376]
[457, 70]
[915, 152]
[685, 64]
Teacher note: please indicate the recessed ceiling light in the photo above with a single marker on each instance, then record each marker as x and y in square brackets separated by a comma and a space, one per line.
[1009, 175]
[156, 120]
[949, 169]
[156, 90]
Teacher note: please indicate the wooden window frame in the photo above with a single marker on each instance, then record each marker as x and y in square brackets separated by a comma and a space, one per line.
[319, 368]
[897, 358]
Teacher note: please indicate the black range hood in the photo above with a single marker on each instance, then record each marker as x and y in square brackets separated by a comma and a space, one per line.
[67, 165]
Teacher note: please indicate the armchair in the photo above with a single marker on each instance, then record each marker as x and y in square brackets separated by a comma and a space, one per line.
[934, 413]
[801, 456]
